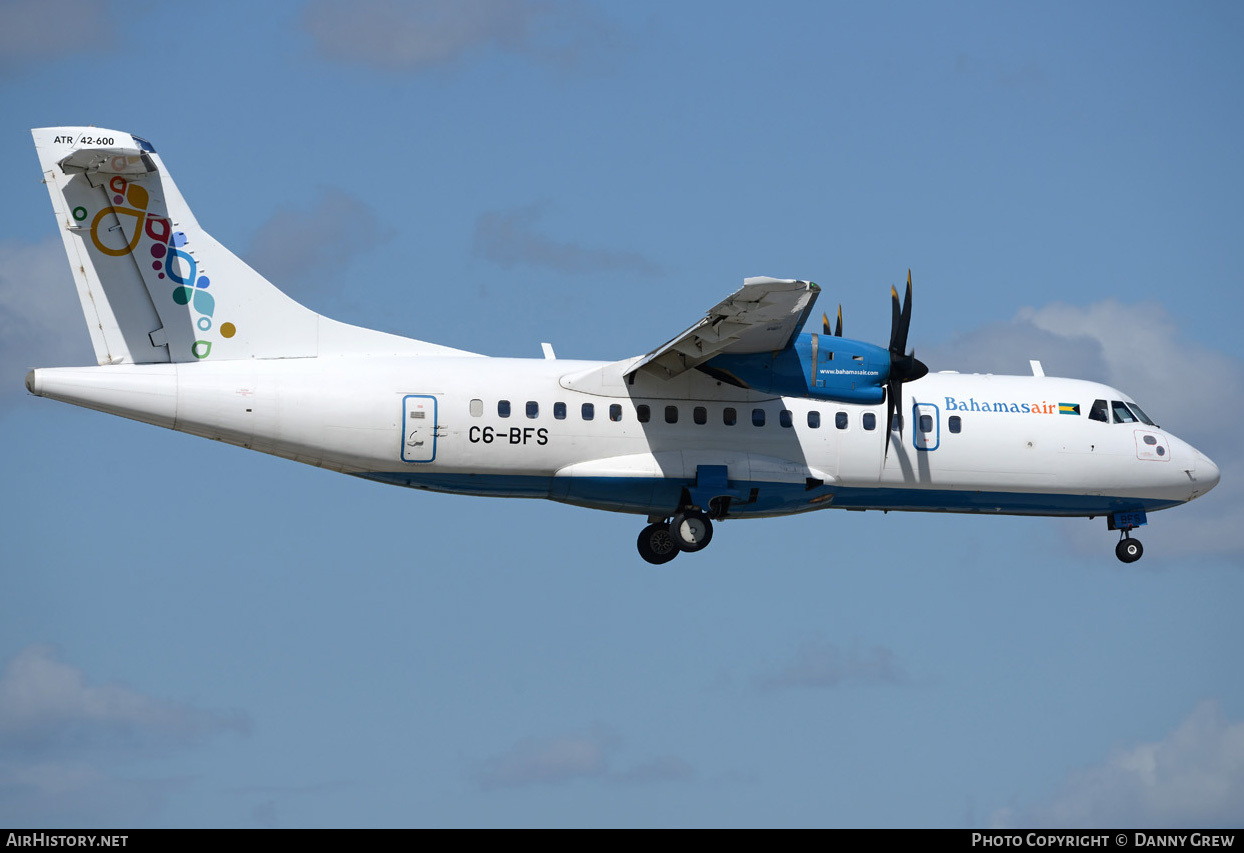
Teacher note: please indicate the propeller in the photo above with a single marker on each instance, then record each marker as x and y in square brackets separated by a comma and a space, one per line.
[904, 367]
[825, 324]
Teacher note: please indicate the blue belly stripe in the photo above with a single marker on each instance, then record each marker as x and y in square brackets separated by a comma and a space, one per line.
[655, 495]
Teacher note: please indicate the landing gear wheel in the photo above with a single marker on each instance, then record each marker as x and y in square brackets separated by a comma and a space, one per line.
[1129, 550]
[656, 545]
[691, 530]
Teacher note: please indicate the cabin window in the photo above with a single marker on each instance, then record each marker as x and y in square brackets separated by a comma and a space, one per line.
[898, 423]
[533, 409]
[477, 408]
[643, 414]
[814, 420]
[700, 415]
[786, 419]
[671, 414]
[588, 411]
[758, 417]
[615, 412]
[840, 420]
[955, 423]
[729, 416]
[1150, 440]
[559, 411]
[1099, 412]
[926, 423]
[870, 420]
[503, 408]
[827, 356]
[1122, 414]
[1136, 410]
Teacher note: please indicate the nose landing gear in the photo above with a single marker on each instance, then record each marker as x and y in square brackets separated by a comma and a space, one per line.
[1128, 550]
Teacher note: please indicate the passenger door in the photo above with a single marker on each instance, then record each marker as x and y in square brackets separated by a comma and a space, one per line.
[419, 428]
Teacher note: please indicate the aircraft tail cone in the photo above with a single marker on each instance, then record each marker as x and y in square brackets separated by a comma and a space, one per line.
[143, 392]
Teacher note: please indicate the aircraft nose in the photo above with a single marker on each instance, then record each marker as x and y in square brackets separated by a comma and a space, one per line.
[1207, 473]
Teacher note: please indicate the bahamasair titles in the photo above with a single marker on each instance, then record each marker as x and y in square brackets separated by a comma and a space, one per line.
[743, 415]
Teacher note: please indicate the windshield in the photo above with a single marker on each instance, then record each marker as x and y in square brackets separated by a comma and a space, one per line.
[1139, 412]
[1122, 414]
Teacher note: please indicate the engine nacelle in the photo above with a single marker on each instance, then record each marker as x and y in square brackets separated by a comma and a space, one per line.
[823, 367]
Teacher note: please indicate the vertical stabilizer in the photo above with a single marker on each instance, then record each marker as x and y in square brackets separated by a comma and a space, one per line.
[154, 285]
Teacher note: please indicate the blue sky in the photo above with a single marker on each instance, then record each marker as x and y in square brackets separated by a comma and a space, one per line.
[195, 635]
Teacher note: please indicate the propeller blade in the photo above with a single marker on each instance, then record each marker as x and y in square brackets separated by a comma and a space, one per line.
[906, 314]
[904, 367]
[902, 320]
[825, 323]
[838, 328]
[895, 313]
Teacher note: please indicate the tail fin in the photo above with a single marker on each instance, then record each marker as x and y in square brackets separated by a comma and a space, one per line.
[156, 287]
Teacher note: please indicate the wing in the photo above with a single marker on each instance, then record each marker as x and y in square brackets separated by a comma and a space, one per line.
[762, 316]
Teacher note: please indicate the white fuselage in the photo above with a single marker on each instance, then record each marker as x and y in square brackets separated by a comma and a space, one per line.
[436, 423]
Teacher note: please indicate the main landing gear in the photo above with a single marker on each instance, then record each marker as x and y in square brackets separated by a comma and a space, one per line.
[662, 541]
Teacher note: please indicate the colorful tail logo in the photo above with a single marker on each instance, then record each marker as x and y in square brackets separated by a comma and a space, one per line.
[169, 260]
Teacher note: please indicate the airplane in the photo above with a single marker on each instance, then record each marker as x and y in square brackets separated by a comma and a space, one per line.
[743, 415]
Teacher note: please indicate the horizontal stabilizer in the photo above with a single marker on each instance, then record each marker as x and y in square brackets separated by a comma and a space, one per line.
[107, 161]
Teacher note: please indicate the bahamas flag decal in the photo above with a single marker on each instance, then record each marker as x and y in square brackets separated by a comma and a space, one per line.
[1069, 408]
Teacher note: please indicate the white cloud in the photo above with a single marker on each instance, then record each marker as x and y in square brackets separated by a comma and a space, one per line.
[1136, 348]
[392, 35]
[546, 761]
[1142, 353]
[1192, 777]
[665, 768]
[1193, 390]
[62, 740]
[305, 250]
[46, 704]
[41, 322]
[819, 663]
[575, 756]
[509, 238]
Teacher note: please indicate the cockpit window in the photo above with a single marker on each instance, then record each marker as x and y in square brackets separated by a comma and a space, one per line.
[1099, 412]
[1136, 410]
[1122, 414]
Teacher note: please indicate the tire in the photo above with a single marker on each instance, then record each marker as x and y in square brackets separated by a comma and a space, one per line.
[1129, 550]
[691, 530]
[656, 545]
